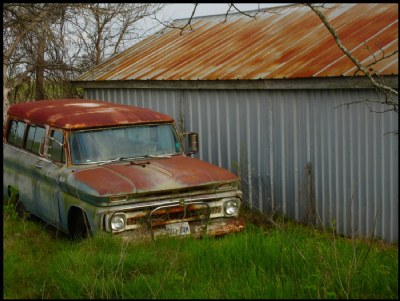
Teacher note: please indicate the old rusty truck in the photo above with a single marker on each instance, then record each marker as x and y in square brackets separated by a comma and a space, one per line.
[88, 166]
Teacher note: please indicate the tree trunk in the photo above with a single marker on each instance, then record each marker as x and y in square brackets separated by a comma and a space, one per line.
[40, 90]
[6, 90]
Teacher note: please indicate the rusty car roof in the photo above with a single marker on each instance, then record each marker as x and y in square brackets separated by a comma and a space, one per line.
[284, 42]
[83, 113]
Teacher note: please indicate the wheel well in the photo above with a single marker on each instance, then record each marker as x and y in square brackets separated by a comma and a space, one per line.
[78, 222]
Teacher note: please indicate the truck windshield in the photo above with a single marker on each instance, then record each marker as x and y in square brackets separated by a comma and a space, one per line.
[102, 145]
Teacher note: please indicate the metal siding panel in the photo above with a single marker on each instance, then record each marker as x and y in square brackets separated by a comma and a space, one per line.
[256, 153]
[271, 128]
[281, 161]
[318, 136]
[336, 196]
[242, 118]
[376, 170]
[345, 197]
[369, 173]
[291, 152]
[209, 126]
[218, 133]
[199, 122]
[228, 123]
[354, 165]
[388, 158]
[222, 130]
[278, 150]
[303, 159]
[394, 177]
[361, 171]
[309, 150]
[385, 189]
[296, 149]
[203, 118]
[237, 156]
[247, 151]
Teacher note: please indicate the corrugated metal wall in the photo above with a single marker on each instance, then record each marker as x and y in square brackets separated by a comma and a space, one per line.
[298, 152]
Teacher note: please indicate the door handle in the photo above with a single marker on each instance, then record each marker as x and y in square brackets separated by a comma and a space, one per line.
[38, 165]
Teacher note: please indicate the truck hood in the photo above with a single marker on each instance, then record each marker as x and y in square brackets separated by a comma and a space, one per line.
[153, 175]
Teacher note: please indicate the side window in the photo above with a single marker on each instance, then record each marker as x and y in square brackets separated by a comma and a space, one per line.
[55, 149]
[34, 138]
[15, 135]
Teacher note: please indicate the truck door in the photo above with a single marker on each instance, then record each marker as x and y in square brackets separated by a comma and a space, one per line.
[37, 166]
[46, 173]
[51, 168]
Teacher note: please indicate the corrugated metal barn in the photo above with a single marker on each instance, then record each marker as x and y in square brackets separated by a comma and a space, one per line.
[268, 97]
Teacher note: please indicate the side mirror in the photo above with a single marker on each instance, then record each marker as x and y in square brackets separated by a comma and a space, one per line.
[192, 142]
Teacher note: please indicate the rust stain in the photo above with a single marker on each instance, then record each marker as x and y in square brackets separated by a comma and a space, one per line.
[160, 175]
[230, 226]
[290, 44]
[75, 113]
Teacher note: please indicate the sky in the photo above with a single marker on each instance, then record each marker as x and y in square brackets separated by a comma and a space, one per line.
[173, 11]
[184, 10]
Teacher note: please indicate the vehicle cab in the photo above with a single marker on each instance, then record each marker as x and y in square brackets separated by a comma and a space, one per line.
[85, 166]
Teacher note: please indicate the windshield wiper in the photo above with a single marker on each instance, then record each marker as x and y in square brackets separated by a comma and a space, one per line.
[160, 156]
[136, 158]
[121, 159]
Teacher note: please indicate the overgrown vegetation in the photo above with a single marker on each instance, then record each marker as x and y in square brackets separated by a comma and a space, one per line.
[279, 260]
[25, 92]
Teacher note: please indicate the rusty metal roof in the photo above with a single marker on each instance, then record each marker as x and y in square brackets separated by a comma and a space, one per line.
[286, 42]
[78, 113]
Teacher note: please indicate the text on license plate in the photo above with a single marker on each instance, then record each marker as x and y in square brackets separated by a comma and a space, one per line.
[178, 229]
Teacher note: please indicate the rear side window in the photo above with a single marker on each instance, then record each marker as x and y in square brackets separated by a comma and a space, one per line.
[34, 138]
[16, 133]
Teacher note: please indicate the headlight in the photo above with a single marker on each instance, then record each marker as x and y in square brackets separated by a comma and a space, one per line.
[230, 208]
[118, 222]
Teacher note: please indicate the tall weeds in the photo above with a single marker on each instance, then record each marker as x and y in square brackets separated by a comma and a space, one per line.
[284, 260]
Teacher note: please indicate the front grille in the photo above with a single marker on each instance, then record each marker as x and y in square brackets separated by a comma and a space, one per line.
[157, 215]
[183, 213]
[163, 215]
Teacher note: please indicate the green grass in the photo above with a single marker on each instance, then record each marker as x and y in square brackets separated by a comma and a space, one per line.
[282, 261]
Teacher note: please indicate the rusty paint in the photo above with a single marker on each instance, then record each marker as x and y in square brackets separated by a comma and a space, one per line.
[215, 228]
[285, 42]
[177, 172]
[228, 226]
[77, 114]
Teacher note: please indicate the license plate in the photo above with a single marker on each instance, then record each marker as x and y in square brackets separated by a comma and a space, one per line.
[178, 229]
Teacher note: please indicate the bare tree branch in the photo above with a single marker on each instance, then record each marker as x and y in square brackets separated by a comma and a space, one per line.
[383, 57]
[181, 28]
[242, 12]
[51, 43]
[386, 90]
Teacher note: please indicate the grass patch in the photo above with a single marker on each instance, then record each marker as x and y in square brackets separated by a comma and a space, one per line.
[280, 260]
